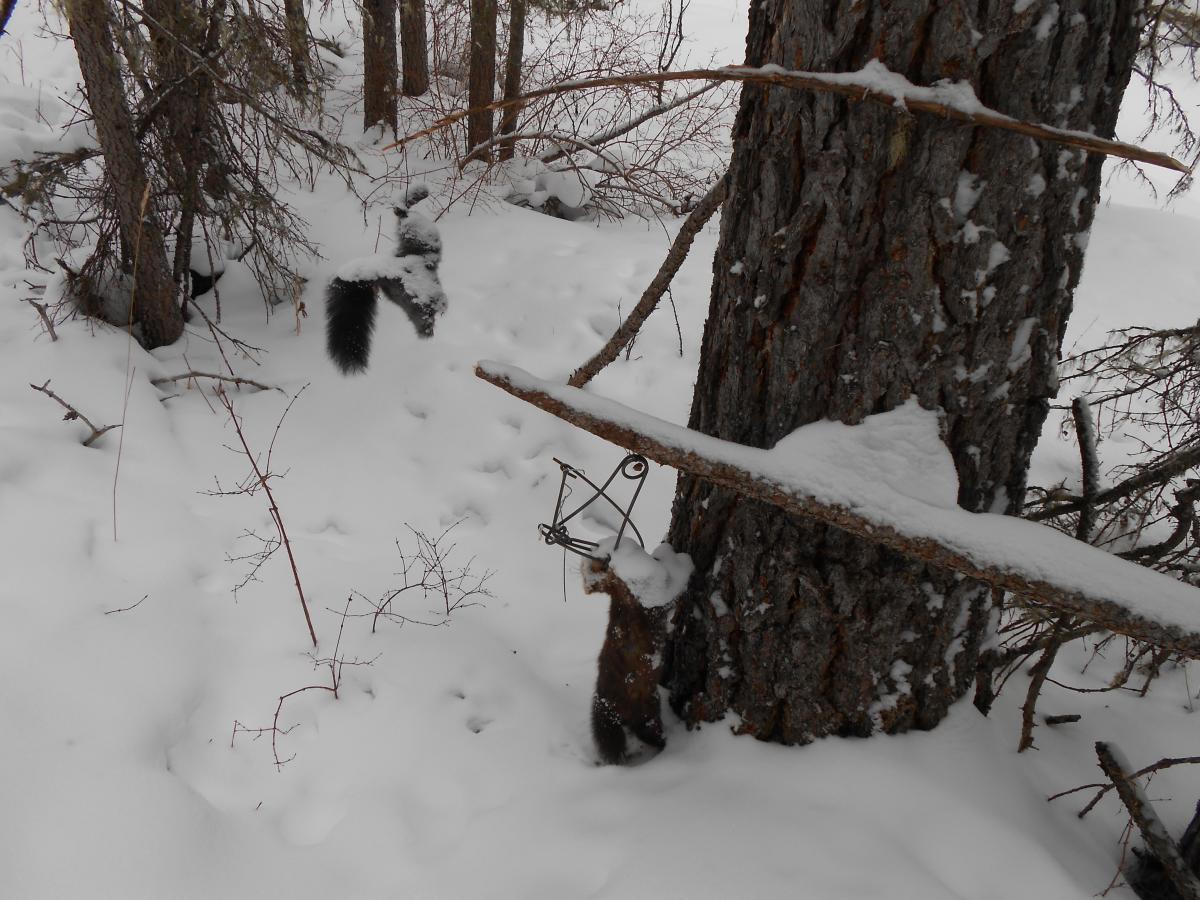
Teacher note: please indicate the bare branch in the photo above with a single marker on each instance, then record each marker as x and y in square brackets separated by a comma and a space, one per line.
[696, 220]
[1155, 834]
[73, 413]
[42, 311]
[236, 380]
[940, 101]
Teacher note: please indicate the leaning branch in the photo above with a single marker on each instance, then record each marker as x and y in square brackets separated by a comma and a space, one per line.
[1153, 831]
[696, 220]
[873, 83]
[1071, 577]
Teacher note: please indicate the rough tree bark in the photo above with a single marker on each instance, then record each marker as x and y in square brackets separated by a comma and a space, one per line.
[481, 79]
[866, 256]
[380, 70]
[513, 63]
[184, 121]
[414, 48]
[90, 23]
[296, 23]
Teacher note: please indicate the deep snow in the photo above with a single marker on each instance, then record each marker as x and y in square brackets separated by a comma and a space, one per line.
[458, 764]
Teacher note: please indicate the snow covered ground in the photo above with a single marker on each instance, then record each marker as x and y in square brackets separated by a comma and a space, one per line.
[458, 763]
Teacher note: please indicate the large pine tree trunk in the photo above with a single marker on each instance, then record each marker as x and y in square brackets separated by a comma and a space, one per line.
[91, 31]
[867, 256]
[379, 63]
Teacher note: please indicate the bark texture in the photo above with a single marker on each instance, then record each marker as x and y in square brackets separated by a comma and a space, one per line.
[380, 70]
[867, 256]
[414, 48]
[186, 100]
[481, 79]
[513, 64]
[90, 23]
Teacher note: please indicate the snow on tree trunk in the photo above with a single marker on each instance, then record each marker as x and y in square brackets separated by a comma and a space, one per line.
[866, 256]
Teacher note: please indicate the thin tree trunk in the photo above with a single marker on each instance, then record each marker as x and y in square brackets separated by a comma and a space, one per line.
[414, 48]
[512, 75]
[183, 128]
[90, 26]
[379, 63]
[296, 23]
[866, 257]
[481, 80]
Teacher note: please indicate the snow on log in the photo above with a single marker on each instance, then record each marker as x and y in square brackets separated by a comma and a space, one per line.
[873, 82]
[891, 480]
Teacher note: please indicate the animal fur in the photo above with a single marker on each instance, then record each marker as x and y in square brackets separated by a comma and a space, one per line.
[409, 279]
[626, 715]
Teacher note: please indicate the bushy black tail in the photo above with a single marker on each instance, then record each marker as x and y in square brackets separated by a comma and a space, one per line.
[349, 322]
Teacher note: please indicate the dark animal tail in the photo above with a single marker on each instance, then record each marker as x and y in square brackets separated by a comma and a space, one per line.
[349, 322]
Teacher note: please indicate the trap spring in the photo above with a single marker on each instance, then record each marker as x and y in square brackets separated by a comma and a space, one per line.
[632, 468]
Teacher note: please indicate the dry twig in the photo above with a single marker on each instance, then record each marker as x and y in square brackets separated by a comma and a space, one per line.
[73, 413]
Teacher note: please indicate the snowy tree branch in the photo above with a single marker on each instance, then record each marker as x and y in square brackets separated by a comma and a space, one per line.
[1055, 570]
[873, 83]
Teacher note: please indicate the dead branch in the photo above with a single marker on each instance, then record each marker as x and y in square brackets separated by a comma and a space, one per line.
[42, 311]
[1165, 763]
[1157, 839]
[1038, 673]
[1065, 719]
[235, 380]
[1170, 466]
[940, 101]
[1051, 589]
[600, 138]
[262, 479]
[696, 220]
[109, 612]
[73, 413]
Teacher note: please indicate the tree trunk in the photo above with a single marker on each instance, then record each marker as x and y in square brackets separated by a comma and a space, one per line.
[184, 119]
[152, 302]
[414, 48]
[379, 63]
[512, 74]
[481, 80]
[866, 256]
[296, 23]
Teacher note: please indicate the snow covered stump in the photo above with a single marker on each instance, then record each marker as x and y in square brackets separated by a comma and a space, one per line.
[642, 590]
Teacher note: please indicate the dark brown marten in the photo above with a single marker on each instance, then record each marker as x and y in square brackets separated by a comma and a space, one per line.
[625, 708]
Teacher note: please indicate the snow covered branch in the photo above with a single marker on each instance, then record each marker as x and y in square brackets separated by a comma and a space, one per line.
[825, 471]
[874, 82]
